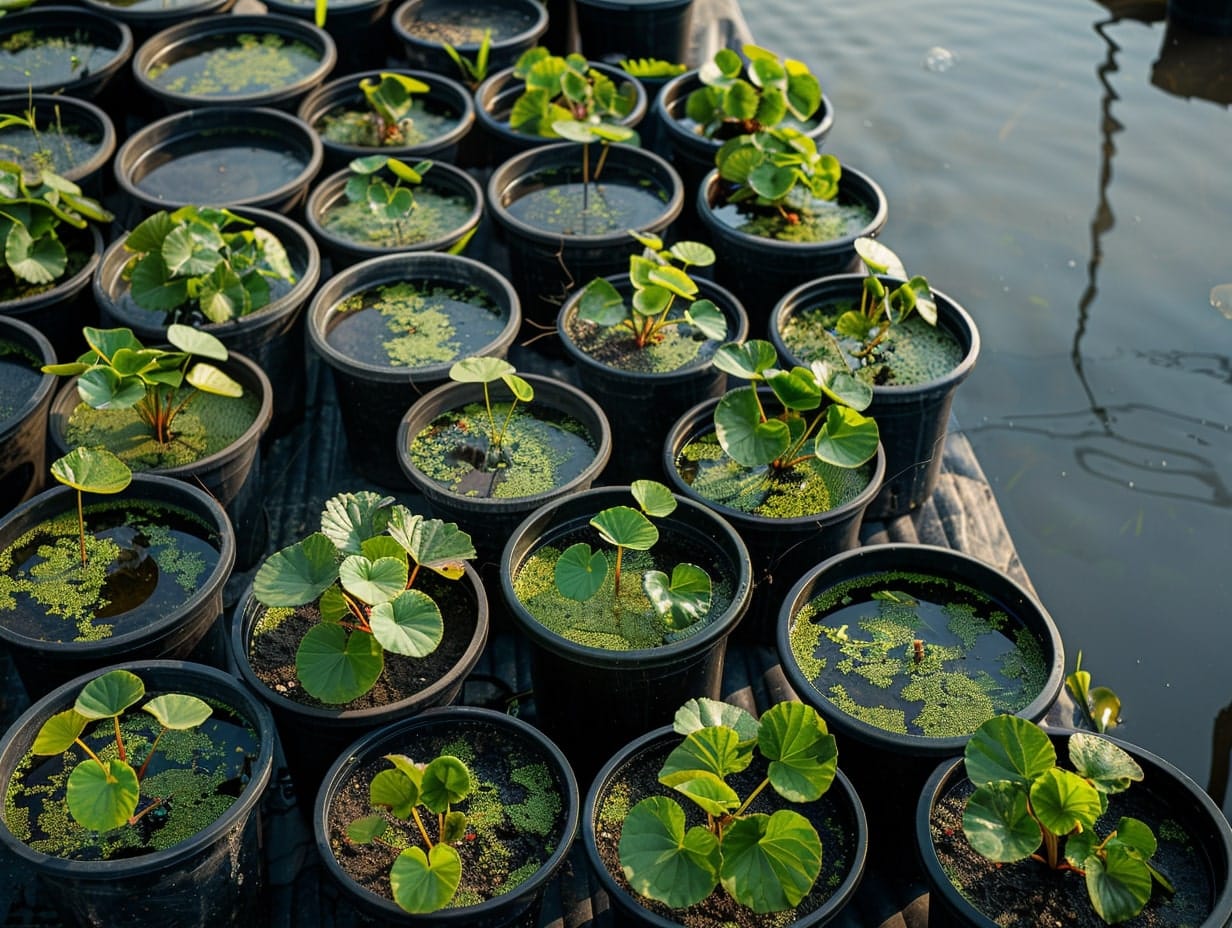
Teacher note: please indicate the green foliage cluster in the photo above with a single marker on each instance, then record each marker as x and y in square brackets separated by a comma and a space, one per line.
[390, 100]
[201, 265]
[360, 569]
[388, 202]
[743, 100]
[565, 97]
[779, 169]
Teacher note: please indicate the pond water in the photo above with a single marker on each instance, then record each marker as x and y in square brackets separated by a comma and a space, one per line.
[1062, 173]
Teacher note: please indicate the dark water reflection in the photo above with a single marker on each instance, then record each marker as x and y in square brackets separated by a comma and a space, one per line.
[1062, 171]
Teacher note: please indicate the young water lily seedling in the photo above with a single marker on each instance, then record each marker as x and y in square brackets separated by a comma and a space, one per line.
[392, 202]
[657, 283]
[767, 862]
[390, 101]
[200, 265]
[473, 73]
[779, 169]
[1024, 801]
[90, 470]
[105, 792]
[422, 881]
[566, 90]
[494, 454]
[736, 101]
[360, 569]
[118, 372]
[679, 600]
[881, 308]
[1100, 706]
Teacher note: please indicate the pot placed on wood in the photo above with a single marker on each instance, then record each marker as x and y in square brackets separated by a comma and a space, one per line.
[25, 398]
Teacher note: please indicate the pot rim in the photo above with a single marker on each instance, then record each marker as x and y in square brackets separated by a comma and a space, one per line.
[530, 34]
[14, 329]
[92, 113]
[64, 288]
[99, 24]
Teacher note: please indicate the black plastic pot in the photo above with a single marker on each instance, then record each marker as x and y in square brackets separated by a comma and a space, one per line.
[545, 264]
[273, 336]
[192, 628]
[640, 405]
[423, 736]
[61, 312]
[839, 810]
[232, 476]
[372, 398]
[491, 520]
[760, 271]
[112, 43]
[890, 765]
[444, 96]
[314, 735]
[23, 430]
[177, 42]
[146, 17]
[494, 100]
[52, 111]
[591, 700]
[211, 878]
[782, 548]
[350, 23]
[610, 30]
[227, 156]
[1168, 795]
[1205, 17]
[442, 179]
[913, 418]
[517, 25]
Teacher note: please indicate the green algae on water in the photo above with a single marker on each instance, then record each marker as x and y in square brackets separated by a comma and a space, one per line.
[36, 58]
[435, 215]
[857, 644]
[822, 221]
[351, 126]
[677, 347]
[234, 65]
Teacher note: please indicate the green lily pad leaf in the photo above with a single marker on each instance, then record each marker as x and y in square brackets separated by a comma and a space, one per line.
[102, 795]
[455, 827]
[423, 883]
[149, 234]
[209, 379]
[878, 258]
[579, 573]
[373, 582]
[297, 574]
[674, 280]
[480, 370]
[704, 713]
[770, 862]
[796, 389]
[708, 319]
[369, 164]
[196, 342]
[92, 470]
[366, 830]
[522, 391]
[626, 527]
[574, 131]
[335, 666]
[446, 780]
[1109, 768]
[847, 439]
[333, 605]
[185, 255]
[681, 600]
[1135, 833]
[746, 360]
[408, 767]
[349, 519]
[839, 384]
[655, 499]
[661, 860]
[383, 546]
[652, 300]
[707, 791]
[771, 181]
[106, 342]
[803, 754]
[108, 695]
[1063, 801]
[411, 624]
[396, 790]
[803, 95]
[59, 732]
[601, 303]
[178, 711]
[742, 433]
[1007, 747]
[694, 254]
[223, 296]
[38, 260]
[1119, 883]
[717, 751]
[998, 825]
[151, 286]
[102, 388]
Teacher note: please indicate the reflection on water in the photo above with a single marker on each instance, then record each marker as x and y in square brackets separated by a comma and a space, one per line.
[1064, 176]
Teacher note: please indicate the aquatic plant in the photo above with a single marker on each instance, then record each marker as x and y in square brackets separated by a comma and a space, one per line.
[90, 470]
[473, 72]
[779, 169]
[487, 371]
[651, 67]
[566, 90]
[881, 308]
[1100, 706]
[739, 100]
[389, 202]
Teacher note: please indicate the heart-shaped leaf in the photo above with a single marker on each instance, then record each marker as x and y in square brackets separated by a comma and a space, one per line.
[601, 303]
[718, 751]
[654, 498]
[708, 319]
[178, 711]
[1118, 882]
[335, 666]
[998, 824]
[770, 862]
[59, 732]
[366, 830]
[92, 470]
[681, 600]
[1109, 767]
[373, 582]
[297, 574]
[747, 360]
[108, 695]
[579, 572]
[1010, 748]
[626, 527]
[410, 624]
[196, 342]
[423, 883]
[209, 379]
[663, 861]
[847, 439]
[742, 433]
[803, 754]
[102, 795]
[704, 713]
[1064, 801]
[480, 370]
[445, 782]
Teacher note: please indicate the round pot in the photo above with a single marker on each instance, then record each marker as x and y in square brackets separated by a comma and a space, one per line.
[273, 336]
[213, 877]
[760, 271]
[232, 475]
[25, 397]
[610, 30]
[783, 548]
[548, 260]
[489, 520]
[838, 817]
[894, 765]
[107, 46]
[1204, 17]
[86, 147]
[146, 17]
[220, 156]
[516, 26]
[1165, 794]
[157, 75]
[314, 734]
[348, 23]
[190, 627]
[374, 394]
[576, 684]
[641, 404]
[497, 736]
[495, 97]
[442, 181]
[445, 98]
[912, 417]
[61, 312]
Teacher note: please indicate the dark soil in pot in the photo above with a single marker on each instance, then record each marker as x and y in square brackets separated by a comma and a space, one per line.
[74, 138]
[424, 26]
[25, 397]
[61, 49]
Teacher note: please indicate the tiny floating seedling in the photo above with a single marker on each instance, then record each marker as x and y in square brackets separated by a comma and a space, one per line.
[90, 470]
[487, 371]
[1100, 706]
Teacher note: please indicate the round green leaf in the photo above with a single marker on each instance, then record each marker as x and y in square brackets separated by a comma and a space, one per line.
[92, 470]
[695, 254]
[626, 527]
[879, 258]
[35, 260]
[601, 303]
[102, 388]
[1064, 801]
[369, 164]
[178, 711]
[365, 830]
[652, 300]
[396, 791]
[445, 781]
[847, 439]
[746, 360]
[1137, 834]
[196, 342]
[108, 695]
[717, 750]
[102, 796]
[741, 433]
[796, 389]
[335, 666]
[998, 825]
[579, 573]
[803, 755]
[664, 862]
[1118, 882]
[1007, 747]
[707, 319]
[1109, 768]
[373, 582]
[59, 732]
[209, 379]
[297, 574]
[704, 713]
[770, 862]
[424, 883]
[654, 498]
[681, 599]
[674, 280]
[411, 624]
[480, 370]
[840, 384]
